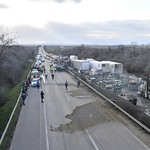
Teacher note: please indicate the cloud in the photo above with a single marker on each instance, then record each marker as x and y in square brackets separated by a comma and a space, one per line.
[3, 6]
[76, 1]
[59, 1]
[102, 33]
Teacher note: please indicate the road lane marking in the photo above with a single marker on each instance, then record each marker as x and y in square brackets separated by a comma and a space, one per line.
[82, 96]
[91, 139]
[67, 97]
[46, 130]
[43, 80]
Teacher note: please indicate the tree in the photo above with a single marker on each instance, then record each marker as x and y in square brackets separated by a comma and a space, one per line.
[7, 44]
[122, 48]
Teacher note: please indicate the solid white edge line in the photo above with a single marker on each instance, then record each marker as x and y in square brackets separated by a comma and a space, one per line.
[67, 97]
[91, 139]
[46, 130]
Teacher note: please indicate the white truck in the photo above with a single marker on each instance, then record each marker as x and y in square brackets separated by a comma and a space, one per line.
[80, 64]
[72, 57]
[144, 89]
[94, 64]
[112, 67]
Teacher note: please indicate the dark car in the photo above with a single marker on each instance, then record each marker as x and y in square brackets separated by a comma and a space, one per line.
[129, 97]
[60, 68]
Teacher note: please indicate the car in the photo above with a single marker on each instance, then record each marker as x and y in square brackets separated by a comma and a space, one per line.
[35, 70]
[34, 81]
[60, 68]
[38, 62]
[51, 64]
[109, 87]
[42, 60]
[129, 97]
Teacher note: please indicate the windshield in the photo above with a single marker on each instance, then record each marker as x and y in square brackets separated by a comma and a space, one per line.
[35, 73]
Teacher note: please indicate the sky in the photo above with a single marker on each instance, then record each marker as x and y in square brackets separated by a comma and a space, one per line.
[69, 22]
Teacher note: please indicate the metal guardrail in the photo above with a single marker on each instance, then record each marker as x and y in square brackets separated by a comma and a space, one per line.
[3, 135]
[119, 108]
[127, 114]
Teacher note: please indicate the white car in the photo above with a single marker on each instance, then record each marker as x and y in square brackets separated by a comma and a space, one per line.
[42, 60]
[34, 81]
[34, 70]
[129, 97]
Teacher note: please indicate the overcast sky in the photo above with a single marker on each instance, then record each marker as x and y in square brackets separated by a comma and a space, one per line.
[102, 22]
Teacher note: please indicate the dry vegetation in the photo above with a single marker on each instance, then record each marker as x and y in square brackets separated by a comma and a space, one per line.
[134, 58]
[13, 62]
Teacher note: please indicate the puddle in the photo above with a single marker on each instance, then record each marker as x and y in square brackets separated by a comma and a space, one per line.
[83, 117]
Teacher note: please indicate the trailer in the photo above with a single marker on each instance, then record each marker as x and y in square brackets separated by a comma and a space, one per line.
[94, 64]
[80, 64]
[72, 57]
[112, 67]
[144, 89]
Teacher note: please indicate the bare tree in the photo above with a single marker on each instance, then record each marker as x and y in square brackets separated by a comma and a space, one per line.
[134, 47]
[122, 48]
[7, 44]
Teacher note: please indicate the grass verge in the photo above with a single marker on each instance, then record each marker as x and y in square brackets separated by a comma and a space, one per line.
[7, 108]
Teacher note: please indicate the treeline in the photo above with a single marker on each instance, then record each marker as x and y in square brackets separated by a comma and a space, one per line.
[13, 62]
[135, 59]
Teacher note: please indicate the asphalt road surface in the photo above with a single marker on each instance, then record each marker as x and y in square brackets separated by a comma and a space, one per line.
[69, 120]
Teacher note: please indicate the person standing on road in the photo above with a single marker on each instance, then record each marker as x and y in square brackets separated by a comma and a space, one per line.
[27, 82]
[26, 88]
[23, 98]
[46, 75]
[78, 83]
[66, 84]
[42, 96]
[52, 76]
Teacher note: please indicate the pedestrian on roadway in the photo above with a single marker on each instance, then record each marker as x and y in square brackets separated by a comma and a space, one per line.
[26, 88]
[46, 75]
[78, 83]
[66, 84]
[42, 96]
[52, 76]
[23, 98]
[27, 82]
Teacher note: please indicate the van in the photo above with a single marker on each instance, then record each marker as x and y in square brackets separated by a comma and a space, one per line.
[35, 74]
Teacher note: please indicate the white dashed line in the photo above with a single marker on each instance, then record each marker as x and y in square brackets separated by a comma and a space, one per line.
[67, 97]
[91, 139]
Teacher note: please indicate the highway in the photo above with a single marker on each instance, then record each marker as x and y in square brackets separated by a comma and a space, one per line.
[70, 119]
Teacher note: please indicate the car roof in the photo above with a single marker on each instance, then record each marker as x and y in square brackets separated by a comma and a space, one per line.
[34, 71]
[129, 95]
[35, 79]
